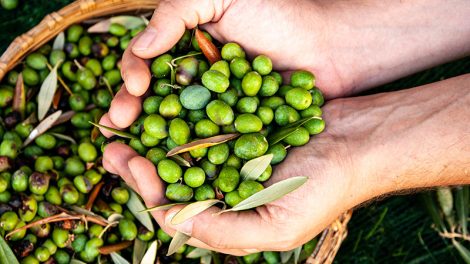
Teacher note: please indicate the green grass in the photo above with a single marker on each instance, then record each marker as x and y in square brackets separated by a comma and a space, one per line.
[395, 230]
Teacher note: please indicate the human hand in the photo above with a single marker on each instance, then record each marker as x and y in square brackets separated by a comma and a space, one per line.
[281, 225]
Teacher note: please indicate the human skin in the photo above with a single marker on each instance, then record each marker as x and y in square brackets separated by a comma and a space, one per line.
[372, 145]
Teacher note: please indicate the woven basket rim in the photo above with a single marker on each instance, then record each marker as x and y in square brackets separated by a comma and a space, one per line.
[78, 11]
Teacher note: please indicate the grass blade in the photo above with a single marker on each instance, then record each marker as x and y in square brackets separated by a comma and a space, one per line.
[139, 251]
[59, 42]
[461, 206]
[286, 255]
[118, 259]
[198, 253]
[463, 251]
[46, 92]
[43, 127]
[115, 131]
[445, 199]
[297, 251]
[192, 210]
[6, 254]
[433, 210]
[270, 194]
[151, 254]
[137, 208]
[202, 143]
[163, 207]
[206, 259]
[255, 167]
[178, 241]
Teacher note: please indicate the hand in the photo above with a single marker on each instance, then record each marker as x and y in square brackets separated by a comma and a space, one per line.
[282, 225]
[372, 145]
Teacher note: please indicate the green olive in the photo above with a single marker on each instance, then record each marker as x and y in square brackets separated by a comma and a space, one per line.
[60, 237]
[251, 83]
[206, 128]
[233, 198]
[221, 66]
[194, 177]
[195, 97]
[248, 123]
[285, 115]
[170, 107]
[169, 171]
[87, 152]
[315, 126]
[215, 81]
[269, 86]
[250, 146]
[152, 104]
[128, 229]
[117, 29]
[299, 98]
[160, 66]
[262, 64]
[303, 79]
[313, 110]
[298, 138]
[220, 113]
[179, 192]
[155, 126]
[36, 61]
[231, 51]
[247, 104]
[228, 179]
[155, 155]
[218, 154]
[204, 192]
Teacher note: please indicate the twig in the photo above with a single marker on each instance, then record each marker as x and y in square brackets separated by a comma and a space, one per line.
[105, 250]
[452, 235]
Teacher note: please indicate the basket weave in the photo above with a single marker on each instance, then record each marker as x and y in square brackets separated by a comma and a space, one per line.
[81, 10]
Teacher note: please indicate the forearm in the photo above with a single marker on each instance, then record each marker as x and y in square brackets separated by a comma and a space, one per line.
[374, 42]
[409, 139]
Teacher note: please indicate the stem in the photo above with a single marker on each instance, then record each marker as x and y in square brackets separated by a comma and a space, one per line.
[94, 193]
[105, 250]
[453, 235]
[66, 87]
[106, 83]
[173, 61]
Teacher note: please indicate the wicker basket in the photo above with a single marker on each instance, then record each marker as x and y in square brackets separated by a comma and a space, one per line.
[81, 10]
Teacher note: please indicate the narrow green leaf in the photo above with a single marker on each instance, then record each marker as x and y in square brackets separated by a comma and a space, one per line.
[64, 137]
[281, 134]
[139, 251]
[433, 210]
[76, 261]
[151, 254]
[46, 92]
[463, 251]
[297, 251]
[42, 127]
[255, 167]
[270, 194]
[192, 210]
[163, 207]
[136, 207]
[59, 42]
[118, 259]
[445, 199]
[115, 131]
[286, 255]
[178, 241]
[202, 143]
[206, 259]
[129, 22]
[461, 206]
[180, 160]
[302, 121]
[6, 254]
[198, 253]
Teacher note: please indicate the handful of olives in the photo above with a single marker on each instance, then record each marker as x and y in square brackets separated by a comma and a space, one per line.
[193, 103]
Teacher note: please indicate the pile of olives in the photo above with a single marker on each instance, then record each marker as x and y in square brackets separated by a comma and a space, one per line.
[192, 100]
[60, 170]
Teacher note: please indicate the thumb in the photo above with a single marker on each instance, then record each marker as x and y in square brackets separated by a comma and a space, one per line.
[170, 20]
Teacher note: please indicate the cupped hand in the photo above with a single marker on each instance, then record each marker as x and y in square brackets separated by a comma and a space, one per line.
[292, 35]
[281, 225]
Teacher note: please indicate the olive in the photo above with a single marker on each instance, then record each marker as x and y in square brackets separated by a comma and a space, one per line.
[228, 179]
[169, 170]
[250, 146]
[155, 155]
[231, 51]
[179, 192]
[303, 79]
[194, 177]
[215, 81]
[220, 113]
[170, 107]
[204, 192]
[315, 126]
[251, 83]
[299, 98]
[120, 195]
[161, 66]
[233, 198]
[195, 97]
[298, 138]
[218, 154]
[206, 128]
[179, 131]
[248, 123]
[248, 188]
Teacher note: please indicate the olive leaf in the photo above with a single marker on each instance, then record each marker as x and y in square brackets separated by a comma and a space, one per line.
[46, 92]
[270, 194]
[137, 208]
[114, 131]
[255, 167]
[178, 241]
[286, 255]
[281, 134]
[42, 127]
[76, 261]
[192, 210]
[463, 251]
[151, 254]
[180, 160]
[64, 137]
[59, 42]
[288, 130]
[19, 98]
[206, 259]
[202, 143]
[297, 251]
[6, 254]
[118, 259]
[198, 253]
[139, 251]
[163, 207]
[129, 22]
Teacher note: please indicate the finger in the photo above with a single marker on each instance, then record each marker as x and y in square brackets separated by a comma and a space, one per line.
[135, 72]
[125, 108]
[105, 121]
[171, 19]
[232, 230]
[115, 158]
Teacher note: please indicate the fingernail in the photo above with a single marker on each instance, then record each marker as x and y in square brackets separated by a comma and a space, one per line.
[185, 228]
[144, 41]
